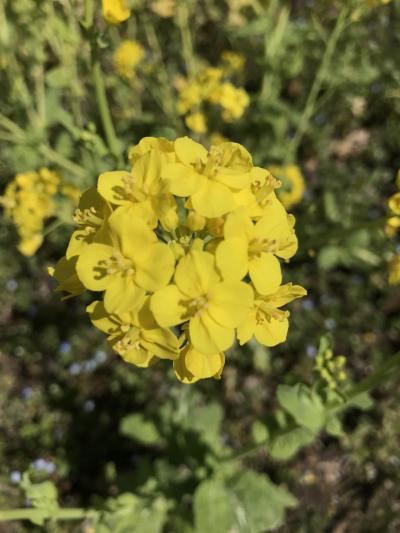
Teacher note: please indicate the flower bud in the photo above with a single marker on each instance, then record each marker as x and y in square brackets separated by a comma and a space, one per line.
[195, 222]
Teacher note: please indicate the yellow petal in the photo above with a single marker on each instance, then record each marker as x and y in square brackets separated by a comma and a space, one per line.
[238, 225]
[122, 295]
[247, 328]
[273, 332]
[166, 307]
[201, 365]
[213, 199]
[230, 302]
[78, 242]
[209, 337]
[102, 320]
[232, 259]
[155, 269]
[161, 342]
[181, 372]
[133, 235]
[195, 273]
[265, 273]
[181, 179]
[232, 178]
[113, 187]
[89, 266]
[189, 151]
[138, 356]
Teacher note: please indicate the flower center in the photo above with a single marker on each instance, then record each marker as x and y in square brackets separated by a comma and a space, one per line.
[116, 264]
[265, 313]
[88, 219]
[260, 246]
[195, 307]
[130, 341]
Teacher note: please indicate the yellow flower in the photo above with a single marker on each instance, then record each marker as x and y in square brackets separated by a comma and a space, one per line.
[212, 307]
[394, 270]
[142, 189]
[193, 365]
[252, 248]
[115, 11]
[90, 216]
[164, 147]
[163, 8]
[28, 202]
[208, 177]
[233, 101]
[293, 187]
[190, 96]
[234, 61]
[134, 335]
[132, 263]
[126, 57]
[29, 245]
[392, 226]
[196, 122]
[394, 203]
[260, 195]
[266, 321]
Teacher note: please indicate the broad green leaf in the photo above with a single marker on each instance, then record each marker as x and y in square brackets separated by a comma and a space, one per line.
[287, 444]
[363, 401]
[207, 418]
[213, 508]
[334, 427]
[303, 404]
[259, 431]
[259, 504]
[136, 427]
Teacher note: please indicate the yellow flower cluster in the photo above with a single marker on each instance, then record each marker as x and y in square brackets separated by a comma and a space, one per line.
[393, 222]
[186, 249]
[126, 57]
[212, 85]
[28, 201]
[115, 11]
[293, 185]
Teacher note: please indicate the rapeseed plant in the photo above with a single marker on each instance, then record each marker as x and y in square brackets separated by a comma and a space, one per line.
[185, 249]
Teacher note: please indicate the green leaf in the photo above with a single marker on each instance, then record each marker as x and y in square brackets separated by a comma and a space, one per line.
[303, 404]
[136, 427]
[330, 256]
[259, 431]
[259, 504]
[287, 444]
[213, 508]
[207, 419]
[334, 427]
[363, 401]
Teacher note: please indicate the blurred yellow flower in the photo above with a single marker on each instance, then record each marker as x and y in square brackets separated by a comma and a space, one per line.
[196, 122]
[164, 8]
[115, 11]
[234, 62]
[293, 184]
[126, 57]
[394, 270]
[28, 202]
[233, 100]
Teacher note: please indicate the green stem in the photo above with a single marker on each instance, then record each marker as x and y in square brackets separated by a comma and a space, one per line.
[387, 370]
[186, 37]
[51, 514]
[316, 86]
[62, 161]
[105, 115]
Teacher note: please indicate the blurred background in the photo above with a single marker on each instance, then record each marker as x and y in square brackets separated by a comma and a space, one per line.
[312, 90]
